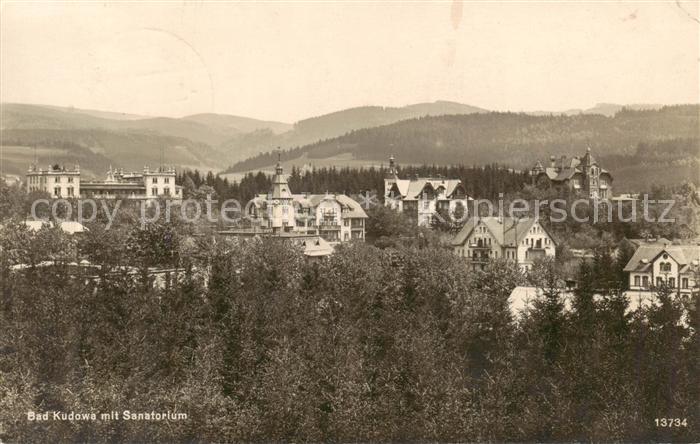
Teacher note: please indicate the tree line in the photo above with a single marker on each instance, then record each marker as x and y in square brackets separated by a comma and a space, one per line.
[479, 181]
[256, 343]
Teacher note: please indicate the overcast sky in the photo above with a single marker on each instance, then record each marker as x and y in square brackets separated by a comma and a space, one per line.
[298, 59]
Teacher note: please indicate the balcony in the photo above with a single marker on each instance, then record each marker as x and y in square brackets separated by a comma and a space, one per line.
[329, 227]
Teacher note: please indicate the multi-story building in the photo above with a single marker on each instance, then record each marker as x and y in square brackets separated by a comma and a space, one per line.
[56, 180]
[654, 265]
[65, 183]
[581, 175]
[334, 217]
[422, 198]
[520, 240]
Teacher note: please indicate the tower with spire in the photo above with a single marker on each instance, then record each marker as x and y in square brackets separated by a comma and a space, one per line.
[583, 175]
[391, 175]
[280, 201]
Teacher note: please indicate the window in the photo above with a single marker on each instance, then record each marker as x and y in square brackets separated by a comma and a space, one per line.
[645, 281]
[346, 222]
[636, 281]
[70, 180]
[57, 180]
[155, 180]
[672, 282]
[70, 191]
[684, 282]
[166, 180]
[426, 205]
[665, 266]
[57, 191]
[167, 191]
[154, 191]
[659, 281]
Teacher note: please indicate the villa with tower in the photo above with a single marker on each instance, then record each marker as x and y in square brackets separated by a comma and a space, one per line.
[335, 218]
[421, 198]
[581, 175]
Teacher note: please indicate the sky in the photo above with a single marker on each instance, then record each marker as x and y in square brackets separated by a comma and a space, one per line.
[293, 60]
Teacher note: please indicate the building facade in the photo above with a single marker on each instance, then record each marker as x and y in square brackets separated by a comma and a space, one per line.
[523, 241]
[421, 198]
[581, 175]
[654, 265]
[334, 217]
[66, 183]
[58, 181]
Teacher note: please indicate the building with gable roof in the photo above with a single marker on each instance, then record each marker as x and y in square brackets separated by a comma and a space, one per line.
[656, 264]
[581, 175]
[522, 240]
[422, 197]
[334, 217]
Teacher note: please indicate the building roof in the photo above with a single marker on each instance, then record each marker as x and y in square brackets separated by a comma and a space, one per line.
[68, 226]
[565, 168]
[687, 256]
[504, 229]
[314, 246]
[317, 246]
[352, 207]
[411, 189]
[72, 227]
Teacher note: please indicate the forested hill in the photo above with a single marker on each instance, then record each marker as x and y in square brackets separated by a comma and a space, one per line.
[514, 139]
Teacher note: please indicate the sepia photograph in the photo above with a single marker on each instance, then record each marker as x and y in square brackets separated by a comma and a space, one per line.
[457, 221]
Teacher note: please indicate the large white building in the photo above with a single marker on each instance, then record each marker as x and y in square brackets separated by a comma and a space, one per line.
[654, 265]
[520, 240]
[334, 217]
[56, 180]
[62, 182]
[422, 198]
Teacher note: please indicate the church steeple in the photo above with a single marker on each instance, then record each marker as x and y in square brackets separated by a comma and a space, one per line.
[278, 168]
[280, 187]
[391, 173]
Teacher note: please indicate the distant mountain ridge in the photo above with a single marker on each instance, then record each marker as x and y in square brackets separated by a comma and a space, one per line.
[605, 109]
[205, 141]
[513, 139]
[338, 123]
[96, 139]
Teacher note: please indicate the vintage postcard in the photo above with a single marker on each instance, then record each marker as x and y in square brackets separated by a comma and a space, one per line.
[349, 221]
